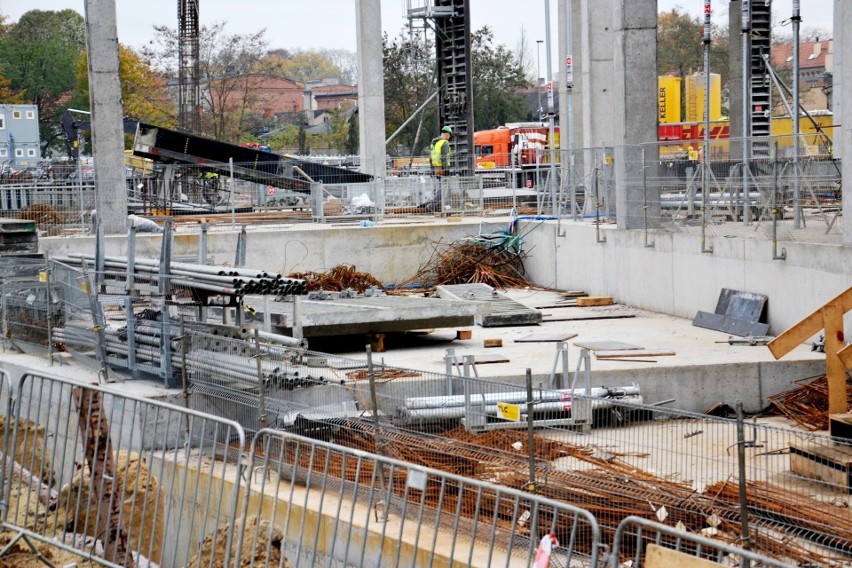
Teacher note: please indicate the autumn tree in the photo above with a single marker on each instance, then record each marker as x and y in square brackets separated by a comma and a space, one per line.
[38, 55]
[143, 91]
[301, 66]
[229, 75]
[680, 46]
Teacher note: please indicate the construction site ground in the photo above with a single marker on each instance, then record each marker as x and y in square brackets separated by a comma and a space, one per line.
[698, 354]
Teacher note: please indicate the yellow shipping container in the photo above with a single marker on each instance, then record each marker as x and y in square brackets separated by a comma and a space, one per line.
[668, 99]
[695, 97]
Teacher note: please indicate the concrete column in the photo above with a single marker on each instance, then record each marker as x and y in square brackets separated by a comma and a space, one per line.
[106, 107]
[735, 73]
[843, 105]
[594, 68]
[635, 111]
[371, 89]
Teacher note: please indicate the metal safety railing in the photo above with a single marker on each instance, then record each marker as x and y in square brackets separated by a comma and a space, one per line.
[118, 480]
[329, 505]
[648, 543]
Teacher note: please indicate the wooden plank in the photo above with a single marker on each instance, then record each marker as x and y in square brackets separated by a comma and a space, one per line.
[845, 356]
[835, 370]
[595, 301]
[634, 353]
[479, 359]
[492, 343]
[660, 557]
[606, 345]
[806, 328]
[546, 337]
[831, 464]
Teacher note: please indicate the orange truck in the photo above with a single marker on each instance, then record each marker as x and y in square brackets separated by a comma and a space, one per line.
[513, 146]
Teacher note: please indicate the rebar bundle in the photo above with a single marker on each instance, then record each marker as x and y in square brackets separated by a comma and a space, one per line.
[807, 404]
[603, 483]
[339, 278]
[466, 262]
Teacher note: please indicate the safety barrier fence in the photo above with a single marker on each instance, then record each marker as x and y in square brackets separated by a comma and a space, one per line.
[651, 541]
[122, 481]
[117, 479]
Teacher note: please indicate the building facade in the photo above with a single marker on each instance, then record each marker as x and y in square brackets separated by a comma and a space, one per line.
[19, 136]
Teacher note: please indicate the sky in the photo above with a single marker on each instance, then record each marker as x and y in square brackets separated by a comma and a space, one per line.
[314, 24]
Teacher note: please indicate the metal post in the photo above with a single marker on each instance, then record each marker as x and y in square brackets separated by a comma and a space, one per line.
[744, 532]
[797, 206]
[746, 30]
[645, 201]
[705, 163]
[80, 179]
[538, 77]
[530, 432]
[374, 401]
[49, 309]
[231, 199]
[297, 332]
[775, 254]
[551, 115]
[202, 243]
[261, 387]
[449, 363]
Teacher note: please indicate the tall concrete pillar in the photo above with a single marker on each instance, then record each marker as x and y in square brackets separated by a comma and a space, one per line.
[635, 112]
[106, 107]
[594, 68]
[842, 99]
[735, 74]
[371, 89]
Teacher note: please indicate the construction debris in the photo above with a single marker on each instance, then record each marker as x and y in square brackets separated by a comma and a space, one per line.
[339, 278]
[466, 262]
[807, 404]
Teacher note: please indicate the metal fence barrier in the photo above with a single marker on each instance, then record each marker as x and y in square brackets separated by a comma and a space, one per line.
[329, 506]
[118, 480]
[637, 538]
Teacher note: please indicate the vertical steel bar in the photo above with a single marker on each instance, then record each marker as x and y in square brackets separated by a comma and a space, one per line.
[530, 433]
[741, 468]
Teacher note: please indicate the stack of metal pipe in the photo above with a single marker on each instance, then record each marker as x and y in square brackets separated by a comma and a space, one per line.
[224, 280]
[554, 400]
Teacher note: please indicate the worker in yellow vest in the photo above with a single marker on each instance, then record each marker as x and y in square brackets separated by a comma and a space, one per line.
[441, 152]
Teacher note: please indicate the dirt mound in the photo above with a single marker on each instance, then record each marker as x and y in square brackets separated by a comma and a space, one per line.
[261, 546]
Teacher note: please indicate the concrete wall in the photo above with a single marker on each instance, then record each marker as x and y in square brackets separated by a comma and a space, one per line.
[391, 253]
[673, 277]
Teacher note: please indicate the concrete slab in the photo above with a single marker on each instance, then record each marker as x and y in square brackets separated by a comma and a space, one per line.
[704, 371]
[375, 314]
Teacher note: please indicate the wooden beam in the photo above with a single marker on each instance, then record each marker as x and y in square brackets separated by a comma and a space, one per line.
[806, 328]
[845, 355]
[835, 370]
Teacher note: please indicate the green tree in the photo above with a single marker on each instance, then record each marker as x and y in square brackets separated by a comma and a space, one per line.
[302, 140]
[409, 65]
[38, 55]
[353, 144]
[497, 77]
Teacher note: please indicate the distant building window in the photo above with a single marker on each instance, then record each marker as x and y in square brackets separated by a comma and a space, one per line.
[16, 114]
[789, 59]
[2, 122]
[812, 56]
[4, 152]
[19, 152]
[30, 114]
[31, 152]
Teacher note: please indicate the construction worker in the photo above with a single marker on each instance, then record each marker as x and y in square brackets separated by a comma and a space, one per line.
[441, 152]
